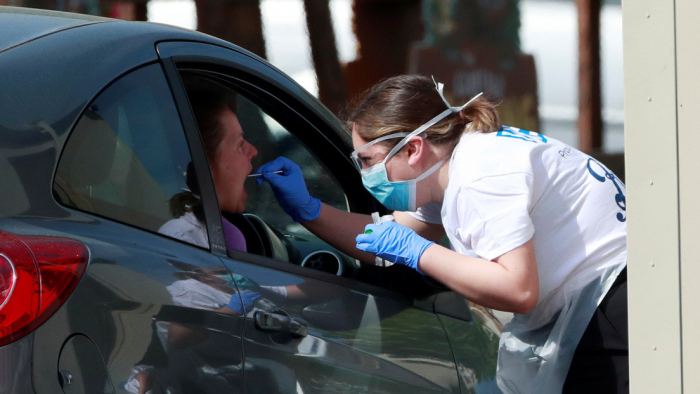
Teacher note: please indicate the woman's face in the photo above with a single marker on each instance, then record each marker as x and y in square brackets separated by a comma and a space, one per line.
[397, 167]
[232, 165]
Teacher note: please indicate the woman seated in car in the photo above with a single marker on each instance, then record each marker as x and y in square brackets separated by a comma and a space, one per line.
[229, 156]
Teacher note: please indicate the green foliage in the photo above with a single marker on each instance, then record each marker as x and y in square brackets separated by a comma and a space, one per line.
[452, 23]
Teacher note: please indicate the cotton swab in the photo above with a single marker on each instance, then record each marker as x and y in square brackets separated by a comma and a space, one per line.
[260, 173]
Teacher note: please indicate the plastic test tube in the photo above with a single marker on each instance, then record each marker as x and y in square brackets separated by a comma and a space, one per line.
[379, 220]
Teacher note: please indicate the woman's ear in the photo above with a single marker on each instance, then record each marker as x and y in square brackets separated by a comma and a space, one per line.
[415, 148]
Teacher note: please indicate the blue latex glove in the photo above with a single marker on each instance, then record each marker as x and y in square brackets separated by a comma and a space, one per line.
[247, 298]
[393, 242]
[290, 189]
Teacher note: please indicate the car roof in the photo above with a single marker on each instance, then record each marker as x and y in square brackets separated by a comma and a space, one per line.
[20, 25]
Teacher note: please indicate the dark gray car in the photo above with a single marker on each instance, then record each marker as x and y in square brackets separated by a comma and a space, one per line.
[96, 136]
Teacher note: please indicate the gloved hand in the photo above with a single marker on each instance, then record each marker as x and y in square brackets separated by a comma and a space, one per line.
[393, 242]
[247, 298]
[290, 189]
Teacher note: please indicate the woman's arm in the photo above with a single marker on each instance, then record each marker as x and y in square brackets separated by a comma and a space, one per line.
[509, 283]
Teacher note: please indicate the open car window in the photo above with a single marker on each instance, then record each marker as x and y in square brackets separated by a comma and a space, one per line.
[270, 139]
[274, 130]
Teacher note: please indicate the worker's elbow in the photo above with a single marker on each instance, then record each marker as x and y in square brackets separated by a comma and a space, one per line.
[525, 301]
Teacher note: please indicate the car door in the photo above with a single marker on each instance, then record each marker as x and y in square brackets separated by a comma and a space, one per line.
[308, 329]
[153, 305]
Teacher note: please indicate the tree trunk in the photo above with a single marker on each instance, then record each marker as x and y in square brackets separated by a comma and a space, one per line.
[331, 83]
[142, 10]
[237, 21]
[43, 4]
[385, 31]
[590, 121]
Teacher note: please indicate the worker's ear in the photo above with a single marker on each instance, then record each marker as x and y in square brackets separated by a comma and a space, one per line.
[415, 149]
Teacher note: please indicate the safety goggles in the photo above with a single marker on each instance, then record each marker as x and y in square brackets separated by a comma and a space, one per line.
[357, 161]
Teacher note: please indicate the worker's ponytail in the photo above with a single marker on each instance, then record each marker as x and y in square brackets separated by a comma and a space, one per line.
[481, 116]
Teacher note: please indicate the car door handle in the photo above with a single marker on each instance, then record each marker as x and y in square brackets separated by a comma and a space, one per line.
[269, 321]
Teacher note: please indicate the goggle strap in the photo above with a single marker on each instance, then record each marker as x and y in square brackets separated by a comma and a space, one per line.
[432, 121]
[417, 131]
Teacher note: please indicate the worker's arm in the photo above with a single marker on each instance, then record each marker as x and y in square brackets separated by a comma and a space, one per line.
[429, 231]
[509, 283]
[338, 228]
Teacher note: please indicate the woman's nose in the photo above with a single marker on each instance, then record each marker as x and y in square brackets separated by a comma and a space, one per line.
[253, 151]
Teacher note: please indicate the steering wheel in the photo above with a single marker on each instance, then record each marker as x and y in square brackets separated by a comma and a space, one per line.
[271, 240]
[264, 240]
[260, 238]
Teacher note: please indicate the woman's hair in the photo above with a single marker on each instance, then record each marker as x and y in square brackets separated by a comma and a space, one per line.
[207, 106]
[406, 102]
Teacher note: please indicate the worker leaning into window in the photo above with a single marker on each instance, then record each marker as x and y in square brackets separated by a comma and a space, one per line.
[537, 228]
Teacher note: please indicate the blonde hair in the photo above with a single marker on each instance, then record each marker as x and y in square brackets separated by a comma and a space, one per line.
[404, 103]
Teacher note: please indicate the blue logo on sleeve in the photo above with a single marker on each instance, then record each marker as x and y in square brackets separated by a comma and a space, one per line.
[620, 196]
[512, 132]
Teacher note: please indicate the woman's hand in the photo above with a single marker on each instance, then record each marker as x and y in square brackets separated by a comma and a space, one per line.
[290, 189]
[393, 242]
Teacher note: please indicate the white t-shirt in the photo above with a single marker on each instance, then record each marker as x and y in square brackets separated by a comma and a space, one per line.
[509, 186]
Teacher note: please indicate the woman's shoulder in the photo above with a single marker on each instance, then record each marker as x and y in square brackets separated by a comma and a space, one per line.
[480, 155]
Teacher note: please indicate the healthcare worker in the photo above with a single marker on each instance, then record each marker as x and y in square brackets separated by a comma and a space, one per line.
[536, 228]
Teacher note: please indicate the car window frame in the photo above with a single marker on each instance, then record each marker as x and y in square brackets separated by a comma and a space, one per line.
[261, 84]
[212, 213]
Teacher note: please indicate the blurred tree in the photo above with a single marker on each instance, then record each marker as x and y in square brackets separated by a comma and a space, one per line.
[494, 23]
[385, 31]
[331, 83]
[237, 21]
[474, 46]
[43, 4]
[130, 10]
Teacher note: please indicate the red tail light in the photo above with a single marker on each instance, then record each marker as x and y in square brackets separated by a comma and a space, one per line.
[37, 274]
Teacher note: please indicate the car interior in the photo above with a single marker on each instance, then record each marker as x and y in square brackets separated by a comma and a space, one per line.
[269, 232]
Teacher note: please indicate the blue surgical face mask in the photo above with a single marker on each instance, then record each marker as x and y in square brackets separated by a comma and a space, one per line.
[400, 195]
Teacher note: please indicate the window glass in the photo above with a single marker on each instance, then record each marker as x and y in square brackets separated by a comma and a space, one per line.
[128, 158]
